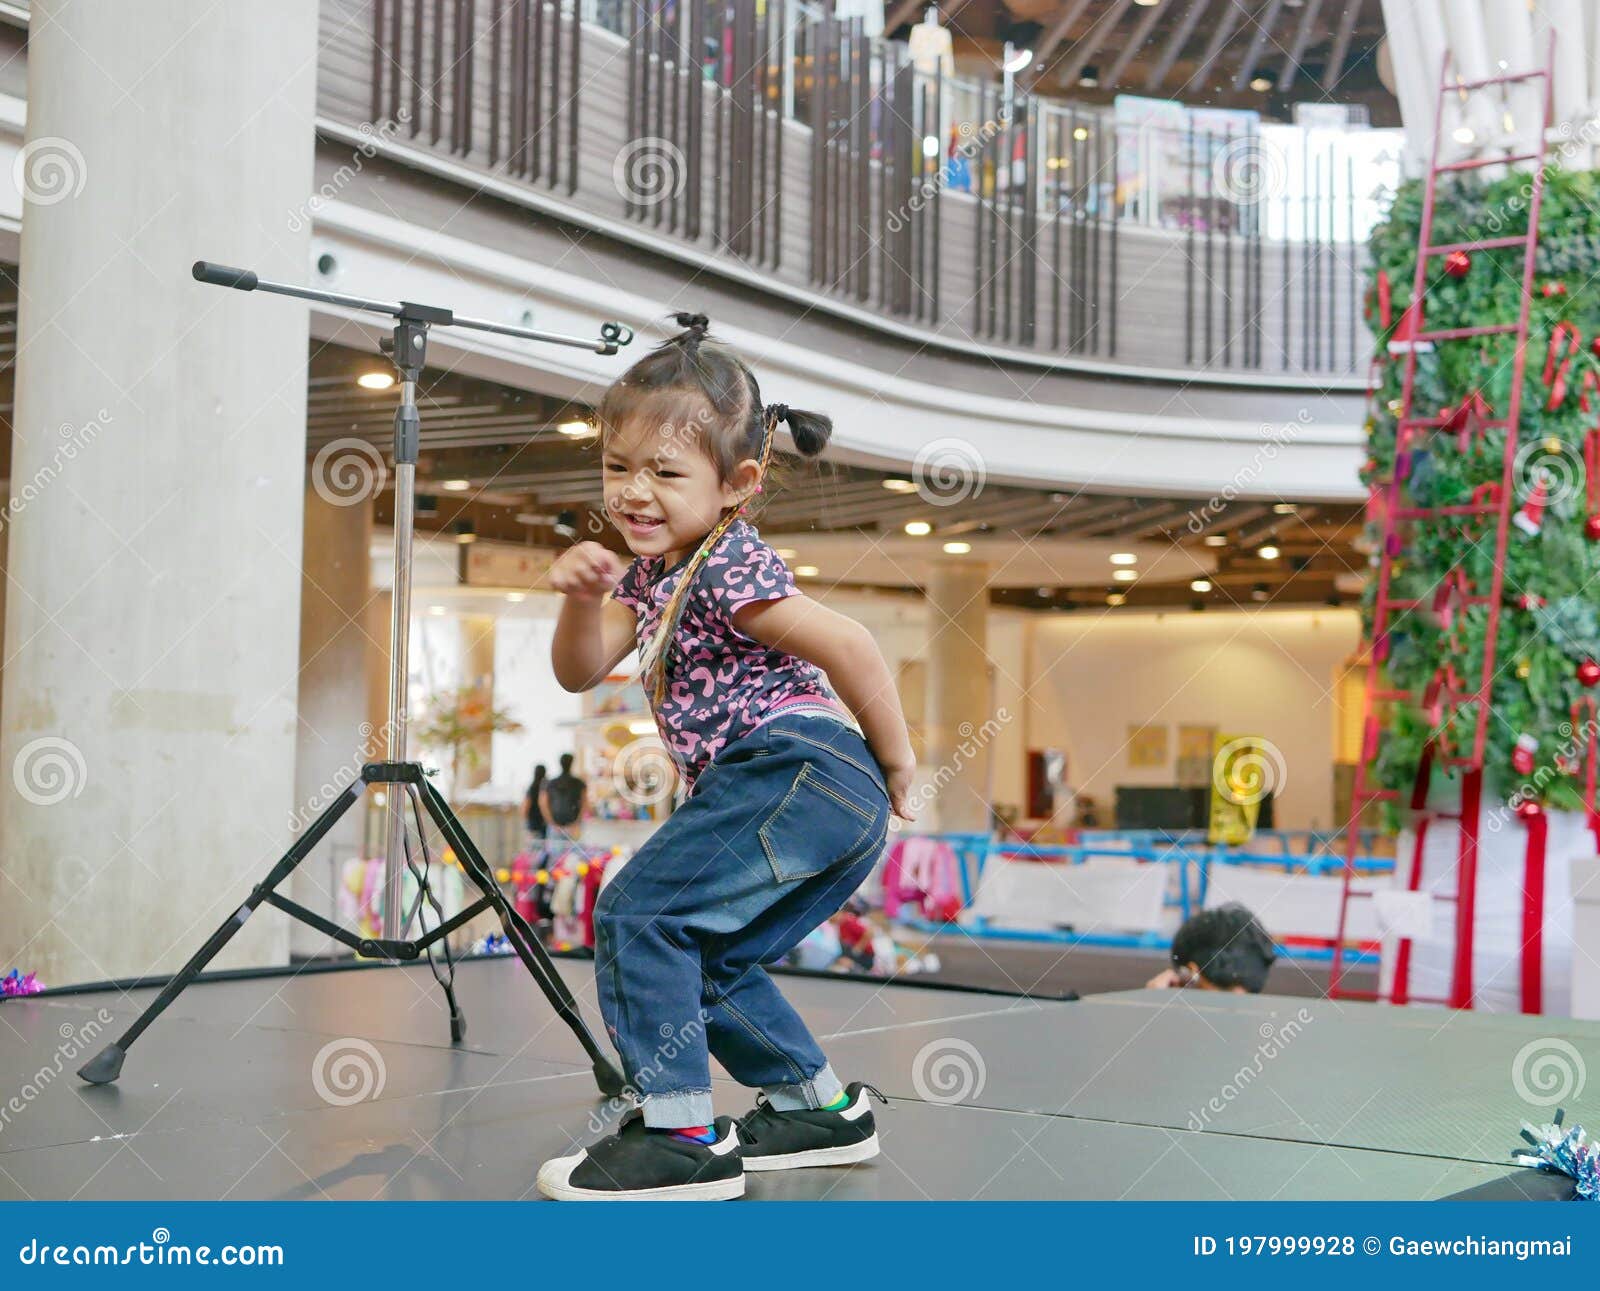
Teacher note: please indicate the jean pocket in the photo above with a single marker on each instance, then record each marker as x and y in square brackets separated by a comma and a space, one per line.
[819, 822]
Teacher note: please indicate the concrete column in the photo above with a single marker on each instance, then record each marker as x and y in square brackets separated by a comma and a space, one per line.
[959, 698]
[151, 639]
[477, 670]
[335, 734]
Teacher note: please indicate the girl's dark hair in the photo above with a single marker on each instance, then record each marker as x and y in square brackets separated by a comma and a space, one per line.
[693, 382]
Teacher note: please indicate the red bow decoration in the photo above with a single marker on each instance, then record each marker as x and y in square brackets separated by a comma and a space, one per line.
[1450, 596]
[1459, 420]
[1564, 337]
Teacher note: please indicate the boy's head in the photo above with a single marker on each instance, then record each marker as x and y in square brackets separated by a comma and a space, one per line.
[1225, 949]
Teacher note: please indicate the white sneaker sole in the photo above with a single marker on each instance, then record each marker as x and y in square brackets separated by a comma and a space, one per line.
[847, 1155]
[554, 1176]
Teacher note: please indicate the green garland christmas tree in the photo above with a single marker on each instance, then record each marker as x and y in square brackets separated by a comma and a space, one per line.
[1549, 634]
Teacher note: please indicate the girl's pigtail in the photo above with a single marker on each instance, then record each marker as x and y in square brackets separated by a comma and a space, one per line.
[809, 430]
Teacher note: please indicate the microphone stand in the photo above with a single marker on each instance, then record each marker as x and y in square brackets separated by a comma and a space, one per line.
[406, 781]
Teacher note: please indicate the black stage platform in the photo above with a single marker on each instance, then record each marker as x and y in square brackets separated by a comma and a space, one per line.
[1137, 1094]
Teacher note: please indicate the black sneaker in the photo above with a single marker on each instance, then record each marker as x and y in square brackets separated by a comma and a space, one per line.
[636, 1165]
[774, 1140]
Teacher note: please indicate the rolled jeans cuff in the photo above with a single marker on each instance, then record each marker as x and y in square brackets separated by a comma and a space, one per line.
[675, 1110]
[819, 1091]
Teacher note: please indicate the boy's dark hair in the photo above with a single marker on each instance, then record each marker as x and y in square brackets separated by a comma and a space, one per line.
[693, 382]
[1229, 947]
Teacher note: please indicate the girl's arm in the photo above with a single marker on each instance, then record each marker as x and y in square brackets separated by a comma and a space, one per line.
[593, 635]
[856, 669]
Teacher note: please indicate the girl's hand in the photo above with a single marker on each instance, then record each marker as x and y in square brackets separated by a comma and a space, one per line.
[586, 572]
[899, 781]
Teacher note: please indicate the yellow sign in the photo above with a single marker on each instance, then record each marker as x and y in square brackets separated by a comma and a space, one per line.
[1241, 777]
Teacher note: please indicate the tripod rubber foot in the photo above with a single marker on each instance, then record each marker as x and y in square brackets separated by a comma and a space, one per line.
[105, 1066]
[458, 1027]
[608, 1078]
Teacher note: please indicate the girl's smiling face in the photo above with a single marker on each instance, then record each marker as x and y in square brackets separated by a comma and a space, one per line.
[662, 489]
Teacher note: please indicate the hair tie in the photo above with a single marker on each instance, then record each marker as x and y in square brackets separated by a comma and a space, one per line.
[696, 323]
[778, 411]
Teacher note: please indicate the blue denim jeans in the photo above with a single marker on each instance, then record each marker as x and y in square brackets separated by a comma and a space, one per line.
[781, 828]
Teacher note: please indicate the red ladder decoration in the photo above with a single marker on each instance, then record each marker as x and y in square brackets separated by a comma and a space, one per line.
[1446, 695]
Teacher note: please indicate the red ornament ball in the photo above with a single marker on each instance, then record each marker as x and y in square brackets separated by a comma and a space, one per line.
[1594, 347]
[1589, 672]
[1591, 528]
[1457, 264]
[1528, 809]
[1522, 761]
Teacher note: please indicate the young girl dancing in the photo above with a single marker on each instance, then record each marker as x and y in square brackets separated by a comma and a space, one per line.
[784, 725]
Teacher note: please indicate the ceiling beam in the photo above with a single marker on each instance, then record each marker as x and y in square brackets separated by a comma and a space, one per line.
[1227, 20]
[1178, 38]
[1264, 24]
[1053, 36]
[1302, 37]
[1093, 40]
[1134, 44]
[1341, 45]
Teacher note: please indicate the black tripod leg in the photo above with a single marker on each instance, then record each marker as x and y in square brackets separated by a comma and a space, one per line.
[106, 1065]
[522, 938]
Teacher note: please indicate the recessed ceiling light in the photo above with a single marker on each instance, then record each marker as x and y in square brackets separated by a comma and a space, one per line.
[1124, 575]
[918, 528]
[1200, 585]
[1262, 82]
[1089, 77]
[958, 548]
[1124, 558]
[1258, 592]
[1269, 552]
[375, 380]
[806, 571]
[1216, 540]
[516, 597]
[1115, 598]
[575, 428]
[456, 486]
[1283, 508]
[899, 486]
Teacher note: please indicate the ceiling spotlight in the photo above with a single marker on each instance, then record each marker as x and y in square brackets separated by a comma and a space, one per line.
[566, 525]
[456, 486]
[1124, 575]
[899, 486]
[464, 531]
[1263, 82]
[1216, 540]
[1089, 78]
[1019, 59]
[1269, 552]
[1283, 508]
[1124, 558]
[375, 380]
[1148, 4]
[1200, 585]
[528, 517]
[918, 528]
[1115, 599]
[806, 571]
[427, 504]
[1258, 592]
[957, 548]
[575, 428]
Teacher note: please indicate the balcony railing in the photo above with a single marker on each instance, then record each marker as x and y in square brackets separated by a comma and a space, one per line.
[780, 141]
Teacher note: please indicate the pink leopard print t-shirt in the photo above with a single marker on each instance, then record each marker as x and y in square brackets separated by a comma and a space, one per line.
[721, 683]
